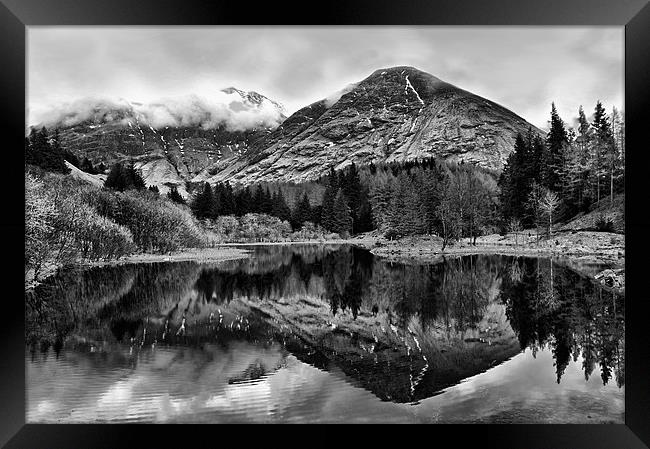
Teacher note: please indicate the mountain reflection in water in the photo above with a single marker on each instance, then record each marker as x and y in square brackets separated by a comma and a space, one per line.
[286, 333]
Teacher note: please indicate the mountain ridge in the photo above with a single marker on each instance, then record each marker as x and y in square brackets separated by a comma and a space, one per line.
[395, 114]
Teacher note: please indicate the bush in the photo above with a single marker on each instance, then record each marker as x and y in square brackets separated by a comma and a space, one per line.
[249, 228]
[309, 231]
[40, 212]
[61, 226]
[604, 224]
[156, 223]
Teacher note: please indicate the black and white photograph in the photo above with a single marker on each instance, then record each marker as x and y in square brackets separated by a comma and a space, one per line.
[325, 224]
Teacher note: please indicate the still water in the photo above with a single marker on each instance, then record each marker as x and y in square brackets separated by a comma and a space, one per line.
[325, 333]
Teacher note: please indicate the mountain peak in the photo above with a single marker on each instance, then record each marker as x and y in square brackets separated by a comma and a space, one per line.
[254, 99]
[396, 114]
[402, 72]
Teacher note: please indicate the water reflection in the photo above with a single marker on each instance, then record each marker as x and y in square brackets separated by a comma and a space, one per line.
[402, 333]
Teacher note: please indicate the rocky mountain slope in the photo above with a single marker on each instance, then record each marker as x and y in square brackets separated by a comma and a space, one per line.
[170, 143]
[395, 114]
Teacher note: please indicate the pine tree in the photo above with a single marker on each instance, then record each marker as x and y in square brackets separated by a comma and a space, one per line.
[203, 203]
[329, 197]
[41, 153]
[604, 143]
[616, 155]
[227, 200]
[243, 201]
[267, 202]
[556, 142]
[87, 166]
[258, 200]
[351, 185]
[582, 163]
[175, 196]
[133, 178]
[280, 207]
[302, 212]
[342, 219]
[364, 221]
[115, 179]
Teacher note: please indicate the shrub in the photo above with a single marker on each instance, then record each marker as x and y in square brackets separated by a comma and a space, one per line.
[156, 223]
[309, 231]
[249, 228]
[40, 212]
[604, 224]
[61, 226]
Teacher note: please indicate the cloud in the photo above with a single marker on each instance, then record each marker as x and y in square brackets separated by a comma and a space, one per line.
[235, 112]
[521, 68]
[336, 96]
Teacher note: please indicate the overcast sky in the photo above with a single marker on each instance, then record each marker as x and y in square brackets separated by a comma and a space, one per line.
[523, 69]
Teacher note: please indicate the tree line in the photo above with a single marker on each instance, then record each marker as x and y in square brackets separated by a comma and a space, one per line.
[565, 172]
[46, 152]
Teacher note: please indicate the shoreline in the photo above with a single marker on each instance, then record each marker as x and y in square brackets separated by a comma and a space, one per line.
[584, 252]
[190, 254]
[588, 252]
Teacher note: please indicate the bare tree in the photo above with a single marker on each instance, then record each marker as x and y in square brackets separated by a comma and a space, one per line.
[549, 203]
[515, 227]
[533, 204]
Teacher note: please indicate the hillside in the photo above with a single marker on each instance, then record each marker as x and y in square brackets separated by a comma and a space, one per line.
[170, 142]
[395, 114]
[600, 210]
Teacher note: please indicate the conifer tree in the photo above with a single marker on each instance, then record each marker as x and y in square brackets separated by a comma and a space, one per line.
[41, 153]
[603, 146]
[87, 166]
[175, 196]
[258, 200]
[329, 198]
[132, 177]
[203, 203]
[342, 219]
[243, 201]
[302, 212]
[267, 202]
[556, 142]
[116, 179]
[226, 200]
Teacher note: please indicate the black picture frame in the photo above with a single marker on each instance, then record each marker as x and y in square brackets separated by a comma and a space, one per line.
[16, 15]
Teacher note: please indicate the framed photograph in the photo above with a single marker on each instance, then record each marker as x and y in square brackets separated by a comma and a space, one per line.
[367, 213]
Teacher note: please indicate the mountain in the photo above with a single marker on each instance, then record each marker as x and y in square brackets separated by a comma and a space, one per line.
[395, 114]
[172, 141]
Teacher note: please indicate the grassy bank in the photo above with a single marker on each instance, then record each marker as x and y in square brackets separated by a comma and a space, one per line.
[190, 254]
[581, 251]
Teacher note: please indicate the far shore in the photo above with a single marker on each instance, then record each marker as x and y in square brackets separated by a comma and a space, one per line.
[582, 251]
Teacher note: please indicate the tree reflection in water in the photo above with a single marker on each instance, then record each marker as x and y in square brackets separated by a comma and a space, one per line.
[550, 305]
[411, 330]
